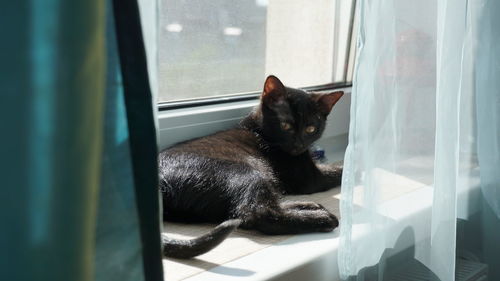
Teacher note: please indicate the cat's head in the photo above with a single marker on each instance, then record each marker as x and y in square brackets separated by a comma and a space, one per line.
[292, 119]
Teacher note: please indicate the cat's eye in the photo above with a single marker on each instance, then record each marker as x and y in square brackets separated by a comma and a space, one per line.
[310, 129]
[285, 126]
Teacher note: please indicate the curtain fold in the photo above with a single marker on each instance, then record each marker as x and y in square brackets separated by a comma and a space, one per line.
[118, 249]
[488, 99]
[418, 182]
[141, 124]
[52, 85]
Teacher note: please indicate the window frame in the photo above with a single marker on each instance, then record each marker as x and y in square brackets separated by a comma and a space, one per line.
[163, 106]
[180, 124]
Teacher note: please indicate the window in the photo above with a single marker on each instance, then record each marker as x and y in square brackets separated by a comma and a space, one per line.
[221, 48]
[210, 52]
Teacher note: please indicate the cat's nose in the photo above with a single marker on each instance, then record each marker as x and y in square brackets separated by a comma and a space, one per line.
[299, 144]
[298, 147]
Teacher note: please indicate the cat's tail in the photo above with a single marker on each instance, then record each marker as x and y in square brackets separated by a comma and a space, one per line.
[185, 249]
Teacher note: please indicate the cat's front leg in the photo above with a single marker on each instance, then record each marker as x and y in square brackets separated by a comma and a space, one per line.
[331, 175]
[263, 212]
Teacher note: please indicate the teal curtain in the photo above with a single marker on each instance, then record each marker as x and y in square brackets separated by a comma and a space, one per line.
[73, 191]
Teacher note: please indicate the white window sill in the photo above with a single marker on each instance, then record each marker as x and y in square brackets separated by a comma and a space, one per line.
[302, 257]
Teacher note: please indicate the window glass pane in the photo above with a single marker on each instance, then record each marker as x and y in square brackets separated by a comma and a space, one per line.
[223, 47]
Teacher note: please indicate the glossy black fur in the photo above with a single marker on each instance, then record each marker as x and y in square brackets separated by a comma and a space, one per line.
[242, 172]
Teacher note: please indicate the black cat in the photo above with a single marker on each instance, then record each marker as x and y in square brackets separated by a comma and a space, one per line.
[237, 176]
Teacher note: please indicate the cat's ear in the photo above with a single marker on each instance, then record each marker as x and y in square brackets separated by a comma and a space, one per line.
[274, 91]
[328, 100]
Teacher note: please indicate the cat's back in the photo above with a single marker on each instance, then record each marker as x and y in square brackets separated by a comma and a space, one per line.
[232, 145]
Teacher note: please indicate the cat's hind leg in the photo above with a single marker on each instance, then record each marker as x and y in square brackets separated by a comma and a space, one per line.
[293, 221]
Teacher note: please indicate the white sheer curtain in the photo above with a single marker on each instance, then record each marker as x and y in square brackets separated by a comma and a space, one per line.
[421, 185]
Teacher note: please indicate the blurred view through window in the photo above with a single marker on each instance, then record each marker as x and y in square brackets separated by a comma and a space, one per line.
[226, 47]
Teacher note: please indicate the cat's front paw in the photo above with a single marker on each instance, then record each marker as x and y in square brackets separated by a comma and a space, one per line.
[328, 223]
